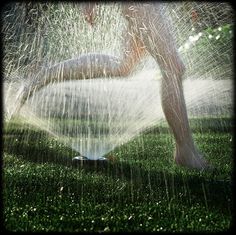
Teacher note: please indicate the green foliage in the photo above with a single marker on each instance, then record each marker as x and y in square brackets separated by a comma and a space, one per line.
[218, 39]
[221, 34]
[212, 52]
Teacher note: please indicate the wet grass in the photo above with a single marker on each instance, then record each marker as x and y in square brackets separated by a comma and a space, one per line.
[140, 189]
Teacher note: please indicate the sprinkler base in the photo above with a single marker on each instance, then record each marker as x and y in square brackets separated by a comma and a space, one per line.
[84, 161]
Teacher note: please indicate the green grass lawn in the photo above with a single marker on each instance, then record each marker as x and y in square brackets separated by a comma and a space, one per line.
[141, 189]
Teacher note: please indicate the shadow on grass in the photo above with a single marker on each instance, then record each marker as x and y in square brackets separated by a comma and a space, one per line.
[42, 150]
[36, 146]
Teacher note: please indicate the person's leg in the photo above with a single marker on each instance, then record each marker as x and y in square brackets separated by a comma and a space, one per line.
[153, 28]
[174, 108]
[88, 66]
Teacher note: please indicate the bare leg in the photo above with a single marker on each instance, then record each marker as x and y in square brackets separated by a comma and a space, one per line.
[174, 107]
[88, 66]
[152, 27]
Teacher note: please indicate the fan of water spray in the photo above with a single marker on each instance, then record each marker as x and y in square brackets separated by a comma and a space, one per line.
[95, 116]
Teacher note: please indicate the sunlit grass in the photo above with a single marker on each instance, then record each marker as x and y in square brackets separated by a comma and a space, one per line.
[141, 189]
